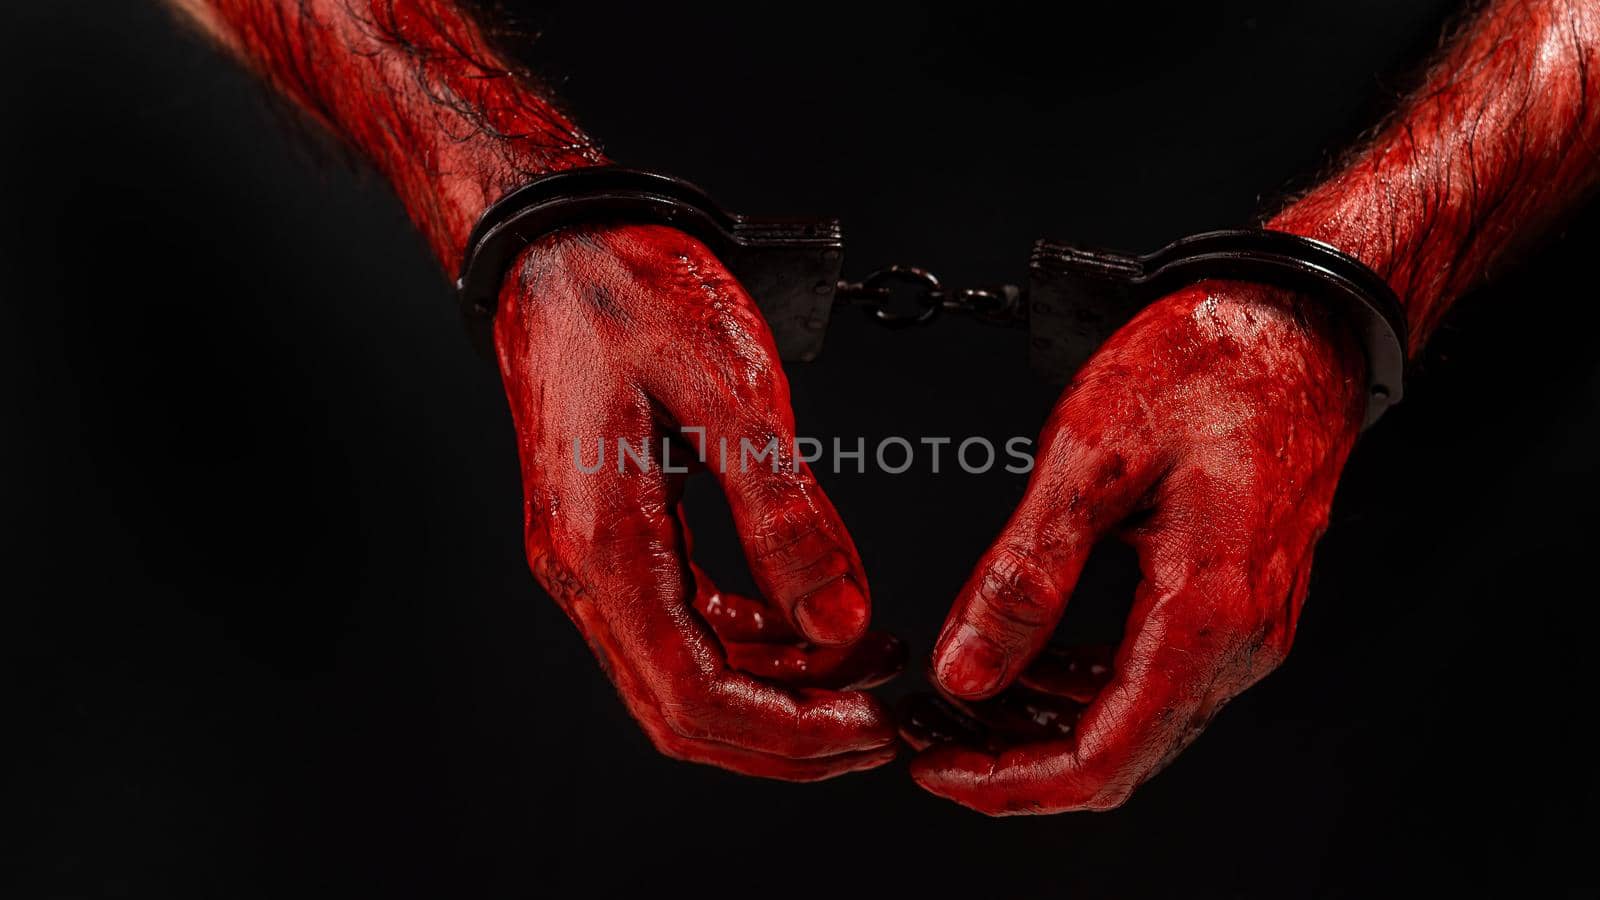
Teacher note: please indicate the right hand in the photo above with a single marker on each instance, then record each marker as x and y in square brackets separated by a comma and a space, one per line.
[637, 333]
[1208, 433]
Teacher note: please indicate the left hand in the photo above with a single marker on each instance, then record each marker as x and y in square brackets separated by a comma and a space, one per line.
[1209, 433]
[638, 333]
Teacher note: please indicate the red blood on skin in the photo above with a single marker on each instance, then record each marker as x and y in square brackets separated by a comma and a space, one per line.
[583, 325]
[415, 88]
[1220, 417]
[1210, 431]
[1498, 145]
[585, 322]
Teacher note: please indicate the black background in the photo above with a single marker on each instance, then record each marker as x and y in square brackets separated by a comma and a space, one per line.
[272, 629]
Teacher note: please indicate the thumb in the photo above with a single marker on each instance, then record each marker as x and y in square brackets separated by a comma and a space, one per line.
[1085, 485]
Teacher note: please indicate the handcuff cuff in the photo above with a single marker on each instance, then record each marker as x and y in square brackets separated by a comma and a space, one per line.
[1073, 300]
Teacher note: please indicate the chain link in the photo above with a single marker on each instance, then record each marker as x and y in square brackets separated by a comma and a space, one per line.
[875, 294]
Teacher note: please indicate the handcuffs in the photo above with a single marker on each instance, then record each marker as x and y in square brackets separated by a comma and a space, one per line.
[1074, 298]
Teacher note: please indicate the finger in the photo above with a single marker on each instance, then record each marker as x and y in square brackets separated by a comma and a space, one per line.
[737, 618]
[666, 663]
[1008, 609]
[762, 644]
[871, 661]
[800, 555]
[1077, 673]
[798, 550]
[670, 667]
[605, 544]
[764, 765]
[1088, 481]
[1004, 783]
[1169, 677]
[613, 548]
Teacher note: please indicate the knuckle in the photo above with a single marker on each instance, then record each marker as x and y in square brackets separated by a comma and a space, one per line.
[666, 740]
[790, 539]
[1016, 591]
[684, 718]
[801, 553]
[693, 710]
[1263, 653]
[559, 581]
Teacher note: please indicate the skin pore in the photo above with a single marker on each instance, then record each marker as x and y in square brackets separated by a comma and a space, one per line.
[1209, 433]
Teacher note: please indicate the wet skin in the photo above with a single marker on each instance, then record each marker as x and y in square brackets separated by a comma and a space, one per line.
[1209, 433]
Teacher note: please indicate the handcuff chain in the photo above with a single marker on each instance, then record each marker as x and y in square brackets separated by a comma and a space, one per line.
[997, 305]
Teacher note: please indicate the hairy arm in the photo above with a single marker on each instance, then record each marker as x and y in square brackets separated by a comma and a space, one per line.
[767, 685]
[1209, 433]
[414, 86]
[1500, 141]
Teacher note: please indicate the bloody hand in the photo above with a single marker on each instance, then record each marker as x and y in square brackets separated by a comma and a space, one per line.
[608, 334]
[637, 333]
[1209, 434]
[1210, 431]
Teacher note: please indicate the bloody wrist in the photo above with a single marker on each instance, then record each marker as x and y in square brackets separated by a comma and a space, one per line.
[791, 266]
[1105, 288]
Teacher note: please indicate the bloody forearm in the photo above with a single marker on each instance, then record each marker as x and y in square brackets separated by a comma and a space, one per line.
[1500, 141]
[414, 86]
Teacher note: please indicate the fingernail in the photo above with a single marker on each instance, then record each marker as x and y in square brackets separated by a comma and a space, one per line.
[836, 613]
[971, 665]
